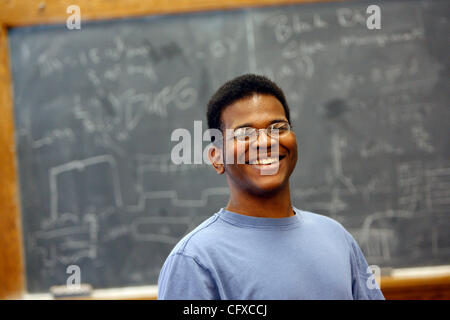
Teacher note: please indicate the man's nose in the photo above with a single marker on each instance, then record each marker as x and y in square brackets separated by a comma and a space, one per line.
[262, 137]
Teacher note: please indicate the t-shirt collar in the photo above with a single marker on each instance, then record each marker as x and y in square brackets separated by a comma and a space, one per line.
[259, 222]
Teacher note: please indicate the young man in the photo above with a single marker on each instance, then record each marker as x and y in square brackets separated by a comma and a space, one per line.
[259, 246]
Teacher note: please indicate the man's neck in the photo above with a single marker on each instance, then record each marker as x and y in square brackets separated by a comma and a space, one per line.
[277, 205]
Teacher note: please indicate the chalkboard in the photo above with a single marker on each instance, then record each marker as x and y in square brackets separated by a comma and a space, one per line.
[95, 109]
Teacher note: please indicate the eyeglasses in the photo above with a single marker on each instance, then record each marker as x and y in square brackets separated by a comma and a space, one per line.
[275, 130]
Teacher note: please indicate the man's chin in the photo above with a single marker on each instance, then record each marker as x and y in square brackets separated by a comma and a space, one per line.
[267, 185]
[251, 180]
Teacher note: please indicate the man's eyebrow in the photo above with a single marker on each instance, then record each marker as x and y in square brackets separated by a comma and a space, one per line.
[243, 125]
[278, 120]
[251, 125]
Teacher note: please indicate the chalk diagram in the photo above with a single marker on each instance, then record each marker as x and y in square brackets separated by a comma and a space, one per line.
[163, 165]
[423, 189]
[338, 183]
[68, 236]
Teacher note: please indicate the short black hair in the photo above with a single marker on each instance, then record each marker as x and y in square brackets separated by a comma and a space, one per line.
[238, 88]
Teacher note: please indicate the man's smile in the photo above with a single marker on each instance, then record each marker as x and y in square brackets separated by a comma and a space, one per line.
[265, 160]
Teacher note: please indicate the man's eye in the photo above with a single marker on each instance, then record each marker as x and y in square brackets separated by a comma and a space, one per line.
[243, 134]
[279, 128]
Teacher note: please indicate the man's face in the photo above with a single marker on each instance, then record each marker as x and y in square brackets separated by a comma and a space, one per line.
[258, 111]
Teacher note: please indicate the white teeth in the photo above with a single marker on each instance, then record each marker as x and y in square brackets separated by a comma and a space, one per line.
[266, 161]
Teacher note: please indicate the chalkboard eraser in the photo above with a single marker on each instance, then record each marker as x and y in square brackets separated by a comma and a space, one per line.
[72, 291]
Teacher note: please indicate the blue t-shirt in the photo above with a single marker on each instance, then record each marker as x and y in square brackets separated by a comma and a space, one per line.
[238, 257]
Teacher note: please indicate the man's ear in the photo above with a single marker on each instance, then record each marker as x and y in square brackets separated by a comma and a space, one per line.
[216, 158]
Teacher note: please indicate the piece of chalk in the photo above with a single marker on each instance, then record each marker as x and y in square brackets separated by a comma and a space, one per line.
[71, 291]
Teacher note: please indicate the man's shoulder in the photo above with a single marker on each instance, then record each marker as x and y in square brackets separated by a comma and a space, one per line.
[193, 242]
[317, 217]
[322, 222]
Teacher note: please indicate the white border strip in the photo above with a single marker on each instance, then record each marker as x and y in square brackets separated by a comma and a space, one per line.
[436, 271]
[112, 293]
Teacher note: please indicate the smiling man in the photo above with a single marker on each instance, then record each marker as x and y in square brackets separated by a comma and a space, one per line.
[260, 246]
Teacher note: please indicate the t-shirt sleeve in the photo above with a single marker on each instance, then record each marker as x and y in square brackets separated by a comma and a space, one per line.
[364, 286]
[184, 278]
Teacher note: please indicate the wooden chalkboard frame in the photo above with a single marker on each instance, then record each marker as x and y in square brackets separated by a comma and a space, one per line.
[15, 13]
